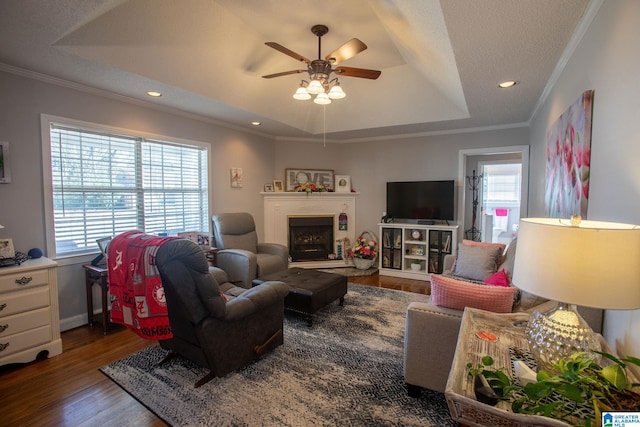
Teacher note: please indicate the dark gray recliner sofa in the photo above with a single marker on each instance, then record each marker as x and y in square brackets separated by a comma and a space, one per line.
[220, 335]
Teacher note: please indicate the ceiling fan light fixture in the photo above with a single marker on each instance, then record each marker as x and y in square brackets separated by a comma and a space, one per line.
[315, 87]
[336, 92]
[322, 99]
[320, 70]
[301, 94]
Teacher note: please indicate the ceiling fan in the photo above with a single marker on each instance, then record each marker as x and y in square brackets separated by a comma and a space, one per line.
[320, 69]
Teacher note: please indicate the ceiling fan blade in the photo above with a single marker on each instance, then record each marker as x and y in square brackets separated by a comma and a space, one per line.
[346, 51]
[358, 72]
[286, 51]
[284, 73]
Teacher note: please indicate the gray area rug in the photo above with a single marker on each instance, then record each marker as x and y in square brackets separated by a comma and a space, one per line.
[345, 370]
[350, 271]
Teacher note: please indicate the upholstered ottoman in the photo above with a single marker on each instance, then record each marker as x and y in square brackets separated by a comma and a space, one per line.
[309, 290]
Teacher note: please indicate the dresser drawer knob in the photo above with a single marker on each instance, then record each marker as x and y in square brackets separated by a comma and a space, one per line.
[3, 328]
[3, 306]
[23, 281]
[3, 346]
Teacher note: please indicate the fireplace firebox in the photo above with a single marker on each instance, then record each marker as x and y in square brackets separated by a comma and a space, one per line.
[310, 238]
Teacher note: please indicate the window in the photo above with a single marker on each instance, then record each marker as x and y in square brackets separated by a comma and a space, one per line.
[502, 182]
[105, 182]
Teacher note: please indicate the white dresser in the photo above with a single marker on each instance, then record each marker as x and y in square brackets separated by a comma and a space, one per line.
[29, 319]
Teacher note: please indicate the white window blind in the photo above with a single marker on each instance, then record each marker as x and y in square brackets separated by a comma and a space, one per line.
[502, 182]
[104, 184]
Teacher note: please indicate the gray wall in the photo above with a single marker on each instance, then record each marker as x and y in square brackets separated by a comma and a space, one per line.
[371, 164]
[21, 201]
[606, 60]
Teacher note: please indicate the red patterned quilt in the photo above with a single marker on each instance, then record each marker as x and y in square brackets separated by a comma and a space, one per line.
[135, 286]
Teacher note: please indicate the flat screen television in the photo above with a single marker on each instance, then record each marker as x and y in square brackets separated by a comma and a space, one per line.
[421, 200]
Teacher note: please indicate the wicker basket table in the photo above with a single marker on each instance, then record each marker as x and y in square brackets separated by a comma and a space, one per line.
[509, 330]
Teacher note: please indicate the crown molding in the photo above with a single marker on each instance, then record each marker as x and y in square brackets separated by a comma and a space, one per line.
[316, 139]
[45, 78]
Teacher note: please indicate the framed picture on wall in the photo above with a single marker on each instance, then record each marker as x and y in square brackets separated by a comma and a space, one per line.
[343, 184]
[236, 177]
[6, 249]
[5, 170]
[294, 177]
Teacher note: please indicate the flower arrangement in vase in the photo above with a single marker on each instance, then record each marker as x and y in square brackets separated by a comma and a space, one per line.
[310, 187]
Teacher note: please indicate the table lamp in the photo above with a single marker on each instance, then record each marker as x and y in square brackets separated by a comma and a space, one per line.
[575, 262]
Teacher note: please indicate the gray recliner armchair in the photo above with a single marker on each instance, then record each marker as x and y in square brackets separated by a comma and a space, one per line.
[239, 253]
[214, 323]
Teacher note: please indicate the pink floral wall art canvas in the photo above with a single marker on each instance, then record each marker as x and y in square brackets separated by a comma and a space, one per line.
[569, 160]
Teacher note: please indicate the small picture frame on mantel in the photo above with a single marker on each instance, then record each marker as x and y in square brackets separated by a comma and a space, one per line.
[343, 184]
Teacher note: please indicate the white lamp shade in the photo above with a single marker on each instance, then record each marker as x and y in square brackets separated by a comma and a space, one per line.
[315, 87]
[322, 99]
[594, 264]
[301, 94]
[336, 92]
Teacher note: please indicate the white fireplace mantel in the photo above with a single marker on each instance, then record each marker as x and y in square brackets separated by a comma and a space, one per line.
[279, 206]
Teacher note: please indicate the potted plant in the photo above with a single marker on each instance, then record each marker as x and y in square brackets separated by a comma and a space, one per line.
[416, 265]
[576, 380]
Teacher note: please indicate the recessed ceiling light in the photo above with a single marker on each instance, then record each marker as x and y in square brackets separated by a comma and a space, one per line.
[507, 84]
[154, 93]
[256, 123]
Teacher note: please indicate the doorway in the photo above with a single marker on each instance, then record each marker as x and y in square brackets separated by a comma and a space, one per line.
[468, 161]
[500, 200]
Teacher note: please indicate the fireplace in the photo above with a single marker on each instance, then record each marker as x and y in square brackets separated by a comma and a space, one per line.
[310, 238]
[279, 207]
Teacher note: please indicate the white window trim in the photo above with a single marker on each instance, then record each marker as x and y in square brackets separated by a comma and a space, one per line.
[45, 126]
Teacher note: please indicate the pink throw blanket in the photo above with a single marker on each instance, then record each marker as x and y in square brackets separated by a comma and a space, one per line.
[137, 295]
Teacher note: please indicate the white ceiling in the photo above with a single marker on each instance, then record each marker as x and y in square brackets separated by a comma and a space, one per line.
[441, 61]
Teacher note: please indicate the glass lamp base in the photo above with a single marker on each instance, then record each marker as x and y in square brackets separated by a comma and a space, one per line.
[559, 333]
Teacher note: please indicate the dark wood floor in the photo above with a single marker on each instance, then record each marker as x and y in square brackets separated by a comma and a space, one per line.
[68, 390]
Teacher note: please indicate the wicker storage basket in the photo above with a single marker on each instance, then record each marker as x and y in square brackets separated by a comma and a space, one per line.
[362, 263]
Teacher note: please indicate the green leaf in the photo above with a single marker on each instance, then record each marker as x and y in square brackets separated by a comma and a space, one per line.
[616, 375]
[516, 406]
[543, 375]
[571, 392]
[548, 409]
[633, 360]
[487, 360]
[535, 391]
[609, 356]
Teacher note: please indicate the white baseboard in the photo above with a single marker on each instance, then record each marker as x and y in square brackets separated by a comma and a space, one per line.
[73, 322]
